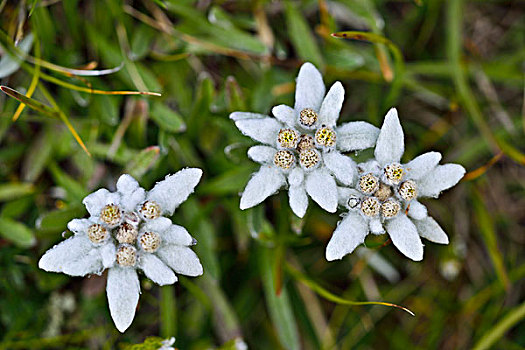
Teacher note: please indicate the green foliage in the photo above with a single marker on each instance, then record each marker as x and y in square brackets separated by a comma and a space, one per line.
[147, 87]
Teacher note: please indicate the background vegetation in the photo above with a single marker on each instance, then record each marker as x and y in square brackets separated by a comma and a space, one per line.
[454, 69]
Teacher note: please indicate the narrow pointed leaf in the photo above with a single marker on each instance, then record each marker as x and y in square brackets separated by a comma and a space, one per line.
[31, 103]
[17, 233]
[143, 161]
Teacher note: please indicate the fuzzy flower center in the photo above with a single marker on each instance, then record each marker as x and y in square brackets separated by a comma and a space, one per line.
[390, 208]
[408, 190]
[325, 137]
[150, 210]
[305, 142]
[111, 215]
[126, 255]
[370, 206]
[127, 233]
[308, 117]
[309, 158]
[394, 173]
[150, 241]
[287, 138]
[97, 233]
[284, 159]
[368, 183]
[383, 192]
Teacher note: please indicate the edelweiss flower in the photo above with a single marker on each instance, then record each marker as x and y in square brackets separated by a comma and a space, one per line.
[303, 146]
[125, 232]
[386, 197]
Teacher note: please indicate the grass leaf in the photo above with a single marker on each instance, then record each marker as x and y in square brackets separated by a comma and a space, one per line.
[166, 118]
[31, 103]
[142, 162]
[17, 233]
[301, 35]
[12, 191]
[334, 298]
[279, 306]
[512, 318]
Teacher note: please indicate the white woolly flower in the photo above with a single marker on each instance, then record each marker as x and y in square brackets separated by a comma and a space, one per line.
[386, 195]
[303, 146]
[127, 231]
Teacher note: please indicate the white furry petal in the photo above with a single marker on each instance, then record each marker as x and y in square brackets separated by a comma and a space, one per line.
[285, 114]
[356, 136]
[298, 200]
[321, 187]
[428, 228]
[405, 237]
[56, 258]
[262, 154]
[441, 178]
[85, 264]
[181, 259]
[108, 255]
[296, 176]
[177, 235]
[130, 201]
[422, 165]
[350, 232]
[98, 199]
[175, 189]
[267, 181]
[79, 226]
[310, 89]
[331, 106]
[370, 166]
[235, 116]
[390, 142]
[417, 210]
[156, 270]
[127, 184]
[158, 225]
[122, 290]
[343, 167]
[376, 227]
[344, 194]
[264, 130]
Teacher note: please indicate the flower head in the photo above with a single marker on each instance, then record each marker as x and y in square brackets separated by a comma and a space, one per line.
[386, 197]
[127, 231]
[303, 146]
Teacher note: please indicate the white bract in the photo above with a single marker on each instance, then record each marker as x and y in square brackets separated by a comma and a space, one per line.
[386, 194]
[303, 146]
[127, 231]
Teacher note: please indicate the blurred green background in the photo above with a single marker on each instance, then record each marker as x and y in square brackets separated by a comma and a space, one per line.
[455, 71]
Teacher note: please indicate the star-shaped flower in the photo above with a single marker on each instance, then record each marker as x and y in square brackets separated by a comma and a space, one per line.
[386, 196]
[127, 231]
[303, 146]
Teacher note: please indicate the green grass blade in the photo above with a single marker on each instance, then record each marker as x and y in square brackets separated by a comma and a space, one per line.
[168, 312]
[11, 191]
[301, 36]
[334, 298]
[166, 118]
[279, 306]
[399, 62]
[17, 233]
[508, 321]
[143, 161]
[488, 233]
[30, 102]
